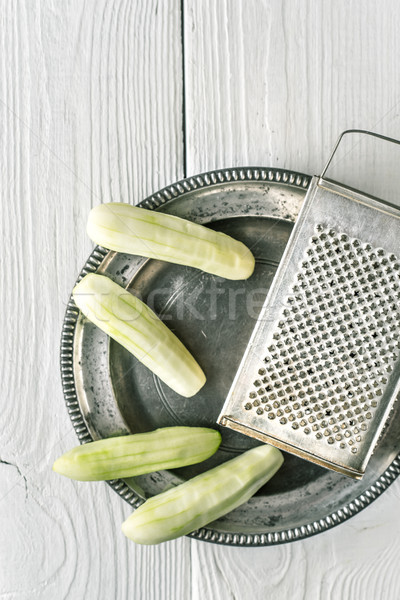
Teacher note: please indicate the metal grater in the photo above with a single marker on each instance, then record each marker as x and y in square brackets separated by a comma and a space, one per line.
[322, 369]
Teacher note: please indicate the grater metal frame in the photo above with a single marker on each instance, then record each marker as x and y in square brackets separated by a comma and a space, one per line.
[268, 400]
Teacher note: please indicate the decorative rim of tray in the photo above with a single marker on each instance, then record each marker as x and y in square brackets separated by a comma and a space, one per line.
[184, 186]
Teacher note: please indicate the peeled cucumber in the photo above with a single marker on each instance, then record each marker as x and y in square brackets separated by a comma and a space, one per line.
[135, 326]
[125, 228]
[204, 498]
[132, 455]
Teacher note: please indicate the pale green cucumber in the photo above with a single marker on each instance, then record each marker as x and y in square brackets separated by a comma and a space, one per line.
[132, 455]
[135, 326]
[135, 230]
[204, 498]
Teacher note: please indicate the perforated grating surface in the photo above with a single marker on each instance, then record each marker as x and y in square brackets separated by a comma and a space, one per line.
[335, 344]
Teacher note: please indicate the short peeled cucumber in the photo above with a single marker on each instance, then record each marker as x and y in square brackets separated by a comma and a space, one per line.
[204, 498]
[125, 228]
[139, 453]
[135, 326]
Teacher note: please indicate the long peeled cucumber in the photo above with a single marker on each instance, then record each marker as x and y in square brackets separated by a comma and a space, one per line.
[135, 326]
[204, 498]
[135, 230]
[132, 455]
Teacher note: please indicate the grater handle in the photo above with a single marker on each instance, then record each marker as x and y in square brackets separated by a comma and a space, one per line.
[361, 132]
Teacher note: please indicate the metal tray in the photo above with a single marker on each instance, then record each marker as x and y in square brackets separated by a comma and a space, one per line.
[108, 392]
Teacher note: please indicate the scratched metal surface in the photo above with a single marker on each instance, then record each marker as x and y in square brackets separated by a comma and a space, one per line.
[214, 318]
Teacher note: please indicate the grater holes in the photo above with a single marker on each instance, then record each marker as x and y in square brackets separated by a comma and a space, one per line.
[336, 341]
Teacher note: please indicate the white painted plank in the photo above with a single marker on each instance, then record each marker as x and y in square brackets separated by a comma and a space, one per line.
[357, 560]
[273, 83]
[90, 110]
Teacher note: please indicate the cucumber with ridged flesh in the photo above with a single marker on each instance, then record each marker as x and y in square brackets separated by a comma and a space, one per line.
[204, 498]
[135, 326]
[125, 228]
[139, 453]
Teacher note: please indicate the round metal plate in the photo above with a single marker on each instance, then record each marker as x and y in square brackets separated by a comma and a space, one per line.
[108, 392]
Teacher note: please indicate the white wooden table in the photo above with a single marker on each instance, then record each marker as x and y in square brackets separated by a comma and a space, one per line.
[109, 101]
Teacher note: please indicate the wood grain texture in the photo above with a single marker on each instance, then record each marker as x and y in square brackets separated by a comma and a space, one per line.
[357, 560]
[90, 111]
[273, 83]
